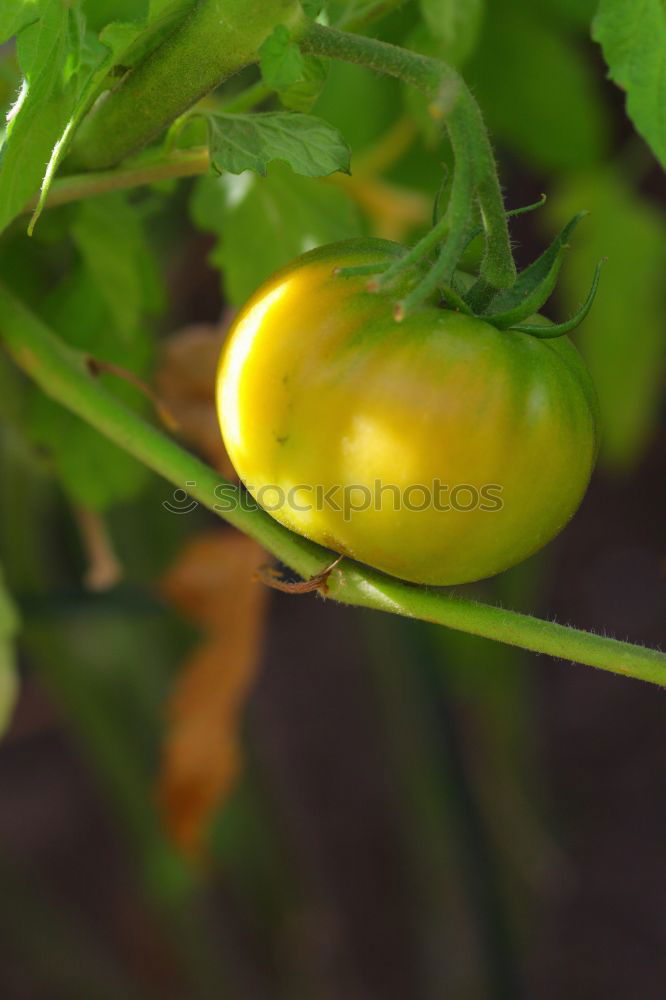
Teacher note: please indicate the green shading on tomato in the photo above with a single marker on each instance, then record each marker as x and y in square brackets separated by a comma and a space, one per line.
[438, 449]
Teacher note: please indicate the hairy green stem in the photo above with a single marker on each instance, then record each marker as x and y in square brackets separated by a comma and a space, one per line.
[64, 374]
[452, 101]
[74, 187]
[216, 40]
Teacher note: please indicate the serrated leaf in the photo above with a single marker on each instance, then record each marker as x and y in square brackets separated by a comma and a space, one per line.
[633, 38]
[262, 224]
[533, 286]
[280, 60]
[310, 146]
[8, 677]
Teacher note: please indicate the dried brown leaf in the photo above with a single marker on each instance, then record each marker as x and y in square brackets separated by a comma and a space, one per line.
[185, 382]
[211, 583]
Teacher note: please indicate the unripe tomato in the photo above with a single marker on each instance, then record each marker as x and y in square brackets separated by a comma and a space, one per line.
[440, 449]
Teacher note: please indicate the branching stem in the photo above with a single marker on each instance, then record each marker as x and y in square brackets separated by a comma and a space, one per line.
[452, 102]
[63, 374]
[180, 163]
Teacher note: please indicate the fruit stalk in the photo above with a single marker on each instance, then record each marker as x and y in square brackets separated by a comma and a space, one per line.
[453, 103]
[64, 375]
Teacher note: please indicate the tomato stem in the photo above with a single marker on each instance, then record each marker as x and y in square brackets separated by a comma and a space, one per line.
[180, 163]
[453, 103]
[63, 373]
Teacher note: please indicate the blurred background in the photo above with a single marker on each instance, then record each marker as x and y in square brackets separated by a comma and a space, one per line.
[212, 790]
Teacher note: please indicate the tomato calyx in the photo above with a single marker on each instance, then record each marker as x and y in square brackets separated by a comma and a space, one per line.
[507, 309]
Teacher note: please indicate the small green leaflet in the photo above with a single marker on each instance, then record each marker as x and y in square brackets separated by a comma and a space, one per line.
[310, 146]
[8, 678]
[281, 61]
[99, 307]
[65, 69]
[42, 108]
[115, 39]
[16, 14]
[302, 95]
[633, 38]
[107, 233]
[298, 79]
[261, 225]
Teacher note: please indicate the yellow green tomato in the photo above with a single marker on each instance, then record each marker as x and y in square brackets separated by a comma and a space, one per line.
[438, 449]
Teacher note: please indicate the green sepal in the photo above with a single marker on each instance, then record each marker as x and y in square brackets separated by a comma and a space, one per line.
[454, 301]
[533, 286]
[559, 329]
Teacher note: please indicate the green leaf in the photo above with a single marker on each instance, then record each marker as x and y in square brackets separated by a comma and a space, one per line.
[281, 62]
[17, 14]
[99, 307]
[633, 38]
[454, 24]
[538, 89]
[107, 232]
[301, 95]
[78, 73]
[310, 146]
[623, 338]
[114, 40]
[92, 470]
[261, 225]
[8, 677]
[45, 51]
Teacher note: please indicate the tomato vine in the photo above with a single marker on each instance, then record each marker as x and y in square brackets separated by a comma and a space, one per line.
[218, 38]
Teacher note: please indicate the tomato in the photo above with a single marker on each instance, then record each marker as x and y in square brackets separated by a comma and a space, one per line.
[439, 449]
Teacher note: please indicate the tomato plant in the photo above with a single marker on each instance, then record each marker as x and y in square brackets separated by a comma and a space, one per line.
[381, 439]
[318, 226]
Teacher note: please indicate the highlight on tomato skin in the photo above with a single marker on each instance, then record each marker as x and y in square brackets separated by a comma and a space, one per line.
[440, 449]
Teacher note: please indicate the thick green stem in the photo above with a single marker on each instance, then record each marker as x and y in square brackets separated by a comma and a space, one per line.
[218, 39]
[451, 101]
[65, 376]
